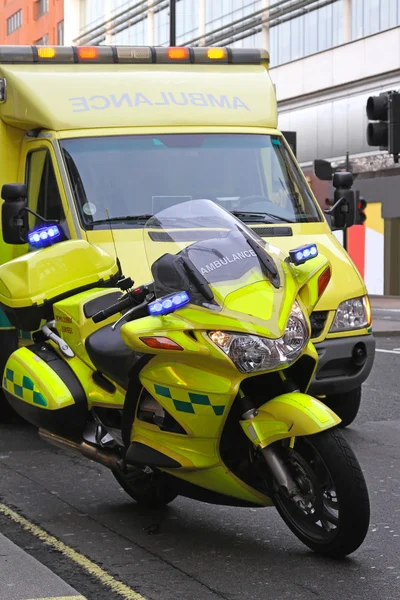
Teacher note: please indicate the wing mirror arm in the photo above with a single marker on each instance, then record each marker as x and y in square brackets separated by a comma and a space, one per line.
[32, 212]
[331, 210]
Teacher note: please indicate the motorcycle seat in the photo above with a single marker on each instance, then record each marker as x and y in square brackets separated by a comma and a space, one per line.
[110, 355]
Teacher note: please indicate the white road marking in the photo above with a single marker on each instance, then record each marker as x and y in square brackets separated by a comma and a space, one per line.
[395, 351]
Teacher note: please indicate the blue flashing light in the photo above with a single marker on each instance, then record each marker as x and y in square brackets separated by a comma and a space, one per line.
[39, 238]
[298, 256]
[168, 304]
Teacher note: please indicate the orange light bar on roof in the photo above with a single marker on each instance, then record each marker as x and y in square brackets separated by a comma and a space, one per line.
[178, 53]
[132, 54]
[88, 52]
[217, 53]
[46, 52]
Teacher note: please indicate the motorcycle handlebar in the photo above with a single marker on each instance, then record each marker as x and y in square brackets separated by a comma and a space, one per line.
[119, 306]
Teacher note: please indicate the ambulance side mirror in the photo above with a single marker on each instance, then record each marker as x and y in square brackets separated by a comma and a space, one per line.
[343, 211]
[14, 217]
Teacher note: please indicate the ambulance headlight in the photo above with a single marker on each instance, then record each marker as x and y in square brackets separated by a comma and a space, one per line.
[352, 314]
[252, 353]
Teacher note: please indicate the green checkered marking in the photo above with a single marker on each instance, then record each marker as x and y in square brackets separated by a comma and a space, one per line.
[39, 399]
[184, 406]
[189, 406]
[27, 383]
[199, 399]
[162, 391]
[25, 391]
[18, 390]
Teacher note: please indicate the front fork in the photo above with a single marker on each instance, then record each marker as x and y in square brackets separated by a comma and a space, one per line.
[290, 415]
[277, 467]
[275, 464]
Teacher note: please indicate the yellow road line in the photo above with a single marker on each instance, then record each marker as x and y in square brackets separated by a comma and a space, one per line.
[85, 563]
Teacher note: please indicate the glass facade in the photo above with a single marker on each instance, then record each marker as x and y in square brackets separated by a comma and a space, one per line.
[294, 31]
[372, 16]
[311, 32]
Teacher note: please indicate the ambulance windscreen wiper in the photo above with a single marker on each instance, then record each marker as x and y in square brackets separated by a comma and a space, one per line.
[126, 219]
[259, 216]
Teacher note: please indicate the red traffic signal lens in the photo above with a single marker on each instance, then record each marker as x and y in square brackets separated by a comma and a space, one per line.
[361, 205]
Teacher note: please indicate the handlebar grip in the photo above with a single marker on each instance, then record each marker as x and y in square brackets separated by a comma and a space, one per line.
[119, 306]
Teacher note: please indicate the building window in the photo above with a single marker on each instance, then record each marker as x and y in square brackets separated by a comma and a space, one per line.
[43, 41]
[42, 7]
[60, 33]
[371, 16]
[14, 22]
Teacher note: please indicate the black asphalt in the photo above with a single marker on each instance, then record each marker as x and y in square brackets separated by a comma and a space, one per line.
[194, 551]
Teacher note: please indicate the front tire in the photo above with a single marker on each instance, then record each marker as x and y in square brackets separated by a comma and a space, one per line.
[334, 518]
[345, 405]
[152, 489]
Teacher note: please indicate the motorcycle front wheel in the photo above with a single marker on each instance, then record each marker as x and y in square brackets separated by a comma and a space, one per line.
[331, 514]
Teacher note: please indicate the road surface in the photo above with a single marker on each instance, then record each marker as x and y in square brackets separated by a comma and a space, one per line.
[194, 551]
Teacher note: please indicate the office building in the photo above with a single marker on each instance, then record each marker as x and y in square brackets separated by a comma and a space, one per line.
[32, 22]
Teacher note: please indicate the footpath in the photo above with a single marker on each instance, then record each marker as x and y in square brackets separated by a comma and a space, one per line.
[22, 577]
[385, 315]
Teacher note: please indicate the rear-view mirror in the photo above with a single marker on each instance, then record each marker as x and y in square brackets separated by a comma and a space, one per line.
[14, 217]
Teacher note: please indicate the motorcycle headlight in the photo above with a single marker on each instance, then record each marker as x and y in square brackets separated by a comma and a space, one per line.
[352, 314]
[252, 353]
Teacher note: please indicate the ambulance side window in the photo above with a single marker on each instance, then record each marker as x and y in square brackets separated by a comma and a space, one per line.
[43, 193]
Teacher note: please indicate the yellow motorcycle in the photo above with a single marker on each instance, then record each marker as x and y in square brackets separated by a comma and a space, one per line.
[199, 388]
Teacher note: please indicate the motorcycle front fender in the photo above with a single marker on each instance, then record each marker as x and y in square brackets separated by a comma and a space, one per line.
[286, 416]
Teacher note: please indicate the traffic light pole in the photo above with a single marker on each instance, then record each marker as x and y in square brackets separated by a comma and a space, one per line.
[172, 22]
[345, 238]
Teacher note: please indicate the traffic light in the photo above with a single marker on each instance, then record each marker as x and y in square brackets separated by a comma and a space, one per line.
[385, 131]
[361, 204]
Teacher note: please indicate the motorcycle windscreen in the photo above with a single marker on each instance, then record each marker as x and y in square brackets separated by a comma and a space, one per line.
[200, 248]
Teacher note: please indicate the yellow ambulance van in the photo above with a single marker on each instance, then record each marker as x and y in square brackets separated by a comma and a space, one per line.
[96, 139]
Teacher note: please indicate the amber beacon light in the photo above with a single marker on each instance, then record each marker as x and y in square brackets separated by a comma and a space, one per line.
[132, 54]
